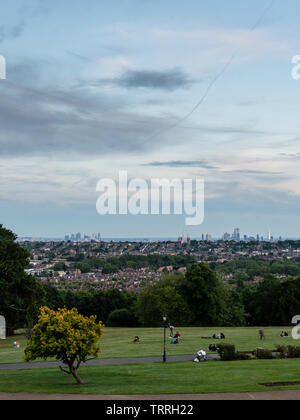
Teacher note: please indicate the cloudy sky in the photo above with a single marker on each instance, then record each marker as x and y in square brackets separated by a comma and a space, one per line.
[160, 88]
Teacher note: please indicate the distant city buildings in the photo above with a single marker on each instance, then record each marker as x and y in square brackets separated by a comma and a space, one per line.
[236, 237]
[185, 238]
[79, 238]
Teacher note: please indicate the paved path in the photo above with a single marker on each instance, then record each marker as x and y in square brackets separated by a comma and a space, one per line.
[260, 396]
[103, 362]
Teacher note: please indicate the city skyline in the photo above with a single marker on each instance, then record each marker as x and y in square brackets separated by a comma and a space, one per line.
[236, 236]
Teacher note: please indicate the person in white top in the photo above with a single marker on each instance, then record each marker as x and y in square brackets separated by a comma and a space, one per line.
[201, 356]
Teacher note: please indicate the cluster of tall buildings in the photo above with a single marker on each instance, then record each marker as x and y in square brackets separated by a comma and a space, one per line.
[181, 240]
[236, 236]
[78, 237]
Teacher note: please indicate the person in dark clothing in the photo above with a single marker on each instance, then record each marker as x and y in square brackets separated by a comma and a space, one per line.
[261, 334]
[213, 348]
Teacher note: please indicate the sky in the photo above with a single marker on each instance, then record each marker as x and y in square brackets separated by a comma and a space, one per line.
[161, 89]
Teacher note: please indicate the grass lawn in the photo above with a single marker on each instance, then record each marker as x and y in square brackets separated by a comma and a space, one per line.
[157, 378]
[118, 342]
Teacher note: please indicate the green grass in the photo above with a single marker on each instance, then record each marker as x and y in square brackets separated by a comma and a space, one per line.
[118, 342]
[157, 378]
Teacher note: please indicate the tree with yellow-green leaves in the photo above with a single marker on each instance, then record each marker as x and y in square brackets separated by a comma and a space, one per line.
[66, 335]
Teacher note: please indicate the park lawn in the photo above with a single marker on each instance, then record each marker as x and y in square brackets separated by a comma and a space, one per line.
[118, 342]
[157, 378]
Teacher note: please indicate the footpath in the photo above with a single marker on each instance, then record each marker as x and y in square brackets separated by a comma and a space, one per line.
[104, 362]
[259, 396]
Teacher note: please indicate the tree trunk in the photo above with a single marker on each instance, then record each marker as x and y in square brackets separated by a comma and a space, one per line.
[9, 331]
[76, 376]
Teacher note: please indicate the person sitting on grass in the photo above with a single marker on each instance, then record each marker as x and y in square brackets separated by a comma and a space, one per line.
[176, 338]
[213, 348]
[136, 339]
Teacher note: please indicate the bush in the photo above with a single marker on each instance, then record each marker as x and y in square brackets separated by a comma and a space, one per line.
[242, 356]
[293, 352]
[121, 318]
[283, 351]
[264, 354]
[227, 352]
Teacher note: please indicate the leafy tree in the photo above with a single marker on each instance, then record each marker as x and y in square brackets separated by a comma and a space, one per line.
[121, 318]
[288, 300]
[21, 295]
[204, 294]
[66, 335]
[54, 298]
[159, 298]
[233, 314]
[261, 302]
[61, 266]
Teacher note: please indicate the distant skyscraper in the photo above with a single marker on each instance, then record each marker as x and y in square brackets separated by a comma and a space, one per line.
[236, 235]
[188, 240]
[226, 237]
[180, 240]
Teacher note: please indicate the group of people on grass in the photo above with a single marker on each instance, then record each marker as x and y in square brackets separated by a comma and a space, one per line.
[213, 348]
[175, 338]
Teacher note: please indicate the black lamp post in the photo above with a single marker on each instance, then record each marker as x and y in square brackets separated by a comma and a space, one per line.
[165, 326]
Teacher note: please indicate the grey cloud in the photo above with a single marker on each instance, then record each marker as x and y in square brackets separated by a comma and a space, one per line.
[182, 164]
[37, 119]
[12, 32]
[168, 80]
[252, 172]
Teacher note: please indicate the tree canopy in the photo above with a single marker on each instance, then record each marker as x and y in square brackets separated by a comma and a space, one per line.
[21, 295]
[66, 335]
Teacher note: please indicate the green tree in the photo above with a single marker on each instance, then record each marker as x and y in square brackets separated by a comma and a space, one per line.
[21, 295]
[203, 292]
[262, 302]
[233, 313]
[160, 298]
[66, 335]
[121, 318]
